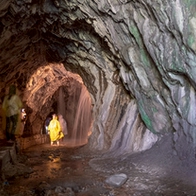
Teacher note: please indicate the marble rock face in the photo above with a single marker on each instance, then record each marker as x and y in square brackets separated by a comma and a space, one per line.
[136, 59]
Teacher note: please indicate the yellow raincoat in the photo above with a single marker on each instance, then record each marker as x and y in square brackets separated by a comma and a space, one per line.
[55, 130]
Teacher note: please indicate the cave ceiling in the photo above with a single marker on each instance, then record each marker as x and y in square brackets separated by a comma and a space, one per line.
[136, 58]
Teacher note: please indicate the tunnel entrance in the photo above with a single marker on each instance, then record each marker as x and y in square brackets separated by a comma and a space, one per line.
[54, 89]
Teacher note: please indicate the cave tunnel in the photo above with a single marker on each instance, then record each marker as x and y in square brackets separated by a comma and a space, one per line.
[63, 93]
[124, 70]
[48, 56]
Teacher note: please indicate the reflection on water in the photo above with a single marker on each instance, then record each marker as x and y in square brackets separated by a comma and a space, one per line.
[85, 174]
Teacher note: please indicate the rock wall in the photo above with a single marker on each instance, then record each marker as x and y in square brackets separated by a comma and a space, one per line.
[136, 58]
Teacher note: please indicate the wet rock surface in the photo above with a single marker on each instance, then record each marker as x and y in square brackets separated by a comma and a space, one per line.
[59, 171]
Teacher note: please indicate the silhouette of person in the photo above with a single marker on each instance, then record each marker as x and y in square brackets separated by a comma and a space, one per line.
[47, 122]
[63, 124]
[54, 129]
[23, 117]
[12, 105]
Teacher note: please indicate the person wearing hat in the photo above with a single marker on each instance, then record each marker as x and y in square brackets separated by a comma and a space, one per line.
[55, 131]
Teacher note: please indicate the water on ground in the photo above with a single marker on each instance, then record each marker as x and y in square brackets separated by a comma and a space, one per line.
[46, 170]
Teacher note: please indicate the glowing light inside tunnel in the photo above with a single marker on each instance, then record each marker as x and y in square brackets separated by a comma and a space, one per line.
[64, 93]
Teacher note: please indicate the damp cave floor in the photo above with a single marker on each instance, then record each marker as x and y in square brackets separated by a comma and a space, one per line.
[57, 170]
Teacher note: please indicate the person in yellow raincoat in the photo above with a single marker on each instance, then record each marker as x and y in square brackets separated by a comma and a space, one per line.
[55, 131]
[12, 105]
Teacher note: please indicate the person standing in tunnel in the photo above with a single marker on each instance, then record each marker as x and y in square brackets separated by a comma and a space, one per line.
[12, 105]
[47, 122]
[55, 131]
[63, 124]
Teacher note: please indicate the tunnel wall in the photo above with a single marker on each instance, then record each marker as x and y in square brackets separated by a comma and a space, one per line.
[145, 48]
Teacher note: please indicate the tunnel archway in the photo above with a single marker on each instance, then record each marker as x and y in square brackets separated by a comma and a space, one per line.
[104, 56]
[60, 91]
